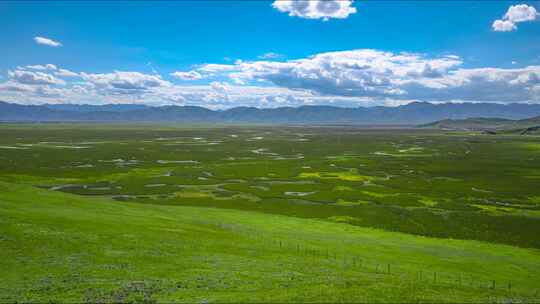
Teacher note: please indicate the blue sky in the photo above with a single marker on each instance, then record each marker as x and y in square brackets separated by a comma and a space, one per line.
[126, 52]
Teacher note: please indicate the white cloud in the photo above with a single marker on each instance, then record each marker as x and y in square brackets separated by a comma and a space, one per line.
[124, 82]
[219, 95]
[520, 13]
[49, 92]
[316, 9]
[503, 26]
[59, 72]
[28, 77]
[65, 73]
[213, 68]
[11, 86]
[220, 87]
[515, 14]
[191, 75]
[346, 78]
[270, 55]
[346, 73]
[47, 41]
[399, 76]
[41, 67]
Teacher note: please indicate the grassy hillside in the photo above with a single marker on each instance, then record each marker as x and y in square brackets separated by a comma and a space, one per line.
[507, 126]
[62, 247]
[420, 182]
[116, 213]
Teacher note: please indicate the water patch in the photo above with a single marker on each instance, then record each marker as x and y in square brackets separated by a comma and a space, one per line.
[381, 153]
[121, 162]
[155, 185]
[13, 148]
[85, 166]
[67, 186]
[412, 149]
[292, 193]
[67, 147]
[481, 190]
[263, 151]
[177, 162]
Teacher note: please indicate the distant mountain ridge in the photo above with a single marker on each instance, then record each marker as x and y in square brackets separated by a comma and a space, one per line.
[412, 114]
[82, 108]
[522, 126]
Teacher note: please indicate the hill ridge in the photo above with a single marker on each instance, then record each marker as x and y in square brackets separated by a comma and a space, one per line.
[412, 114]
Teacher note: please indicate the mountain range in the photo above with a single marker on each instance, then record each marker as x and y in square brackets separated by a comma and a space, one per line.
[410, 114]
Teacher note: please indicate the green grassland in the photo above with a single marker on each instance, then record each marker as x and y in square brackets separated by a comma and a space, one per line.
[116, 213]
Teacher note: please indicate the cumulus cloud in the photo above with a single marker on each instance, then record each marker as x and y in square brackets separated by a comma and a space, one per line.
[191, 75]
[40, 67]
[47, 41]
[316, 9]
[220, 95]
[346, 73]
[347, 78]
[33, 78]
[49, 92]
[11, 86]
[520, 13]
[503, 26]
[50, 67]
[399, 76]
[482, 84]
[220, 86]
[65, 73]
[515, 14]
[124, 82]
[213, 68]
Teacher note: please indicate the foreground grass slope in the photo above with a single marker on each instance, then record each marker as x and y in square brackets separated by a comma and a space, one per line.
[63, 247]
